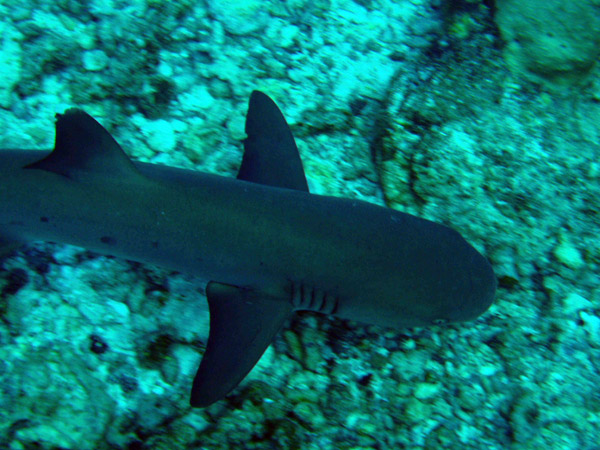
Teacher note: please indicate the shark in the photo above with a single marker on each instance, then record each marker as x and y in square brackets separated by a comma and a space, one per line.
[266, 245]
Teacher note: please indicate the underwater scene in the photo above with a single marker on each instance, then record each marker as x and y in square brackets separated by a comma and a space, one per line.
[286, 176]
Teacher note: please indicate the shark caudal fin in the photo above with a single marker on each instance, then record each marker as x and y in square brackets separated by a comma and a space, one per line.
[270, 153]
[84, 149]
[242, 325]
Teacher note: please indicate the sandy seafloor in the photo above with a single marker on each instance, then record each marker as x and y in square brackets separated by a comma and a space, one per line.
[405, 103]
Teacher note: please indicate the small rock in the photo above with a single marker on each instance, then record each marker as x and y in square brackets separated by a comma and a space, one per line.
[575, 303]
[569, 255]
[160, 135]
[95, 60]
[591, 325]
[239, 18]
[426, 390]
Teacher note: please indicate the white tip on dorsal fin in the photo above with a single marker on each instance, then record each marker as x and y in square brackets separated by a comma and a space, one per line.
[82, 148]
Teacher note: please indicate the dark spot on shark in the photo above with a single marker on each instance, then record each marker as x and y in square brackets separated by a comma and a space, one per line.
[44, 219]
[108, 240]
[154, 244]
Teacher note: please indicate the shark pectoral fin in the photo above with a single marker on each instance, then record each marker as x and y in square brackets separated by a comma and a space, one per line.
[83, 147]
[242, 325]
[270, 153]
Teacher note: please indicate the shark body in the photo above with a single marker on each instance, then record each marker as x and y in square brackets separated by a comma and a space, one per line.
[268, 246]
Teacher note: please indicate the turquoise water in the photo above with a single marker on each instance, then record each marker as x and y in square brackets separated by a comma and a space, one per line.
[480, 115]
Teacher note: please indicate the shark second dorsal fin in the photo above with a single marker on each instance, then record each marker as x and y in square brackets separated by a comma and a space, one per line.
[242, 325]
[270, 153]
[82, 148]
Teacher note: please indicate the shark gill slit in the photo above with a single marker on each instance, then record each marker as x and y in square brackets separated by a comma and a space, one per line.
[311, 298]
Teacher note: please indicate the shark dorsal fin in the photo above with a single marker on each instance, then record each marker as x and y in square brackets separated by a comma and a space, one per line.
[270, 153]
[242, 325]
[82, 148]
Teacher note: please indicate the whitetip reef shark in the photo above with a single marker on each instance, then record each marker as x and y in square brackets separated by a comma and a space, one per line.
[268, 246]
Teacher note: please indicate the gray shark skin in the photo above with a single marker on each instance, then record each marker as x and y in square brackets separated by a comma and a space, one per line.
[268, 245]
